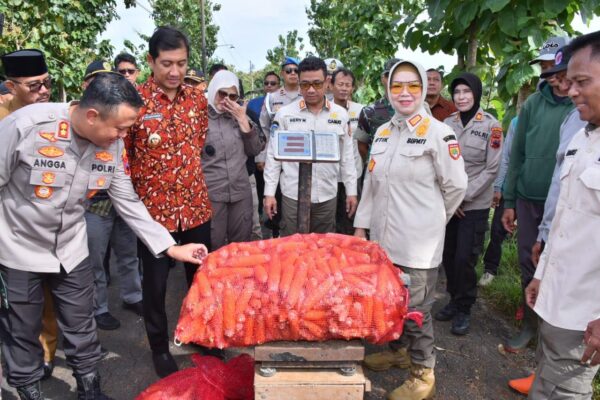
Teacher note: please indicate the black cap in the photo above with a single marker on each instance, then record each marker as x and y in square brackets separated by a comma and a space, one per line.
[389, 64]
[561, 61]
[195, 74]
[95, 67]
[24, 63]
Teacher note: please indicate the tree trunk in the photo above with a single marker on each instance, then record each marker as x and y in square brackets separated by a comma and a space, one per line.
[473, 44]
[460, 62]
[524, 92]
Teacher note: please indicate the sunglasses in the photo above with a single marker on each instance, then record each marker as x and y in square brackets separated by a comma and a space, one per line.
[291, 71]
[36, 86]
[127, 71]
[232, 96]
[412, 87]
[316, 84]
[270, 83]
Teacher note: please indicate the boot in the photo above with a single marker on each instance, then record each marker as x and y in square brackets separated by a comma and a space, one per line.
[88, 387]
[522, 385]
[420, 385]
[528, 332]
[388, 359]
[33, 391]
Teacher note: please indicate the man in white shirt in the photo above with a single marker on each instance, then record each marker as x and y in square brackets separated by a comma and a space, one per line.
[564, 290]
[311, 113]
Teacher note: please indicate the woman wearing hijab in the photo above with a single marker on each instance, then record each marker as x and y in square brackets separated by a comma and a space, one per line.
[414, 182]
[480, 137]
[230, 140]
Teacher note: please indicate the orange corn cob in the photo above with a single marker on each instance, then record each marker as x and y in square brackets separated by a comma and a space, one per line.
[260, 329]
[362, 269]
[244, 299]
[249, 261]
[249, 331]
[379, 316]
[260, 274]
[229, 311]
[315, 315]
[232, 273]
[274, 274]
[297, 285]
[316, 296]
[202, 283]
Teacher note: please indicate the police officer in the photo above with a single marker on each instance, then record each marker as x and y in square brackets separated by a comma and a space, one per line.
[374, 115]
[53, 157]
[29, 82]
[311, 113]
[415, 180]
[480, 137]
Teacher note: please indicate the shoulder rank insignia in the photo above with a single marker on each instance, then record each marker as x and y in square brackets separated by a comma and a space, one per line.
[51, 151]
[479, 117]
[49, 136]
[63, 130]
[302, 104]
[415, 120]
[454, 150]
[104, 156]
[43, 192]
[423, 128]
[385, 133]
[371, 165]
[125, 162]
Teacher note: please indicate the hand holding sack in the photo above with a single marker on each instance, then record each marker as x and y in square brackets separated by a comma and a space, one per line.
[310, 287]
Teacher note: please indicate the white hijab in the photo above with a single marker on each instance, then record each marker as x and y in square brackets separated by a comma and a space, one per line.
[222, 80]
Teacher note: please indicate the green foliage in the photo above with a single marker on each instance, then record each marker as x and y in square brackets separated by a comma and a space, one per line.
[66, 31]
[186, 16]
[291, 45]
[492, 38]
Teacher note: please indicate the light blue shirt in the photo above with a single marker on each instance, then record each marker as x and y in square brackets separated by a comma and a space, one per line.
[499, 182]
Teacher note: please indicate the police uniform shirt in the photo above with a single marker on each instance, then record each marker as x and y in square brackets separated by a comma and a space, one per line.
[569, 267]
[414, 182]
[481, 145]
[297, 117]
[46, 174]
[353, 114]
[275, 100]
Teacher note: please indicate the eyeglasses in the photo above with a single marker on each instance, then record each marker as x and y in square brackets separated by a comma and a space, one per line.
[291, 71]
[36, 86]
[270, 83]
[127, 71]
[412, 87]
[316, 84]
[232, 96]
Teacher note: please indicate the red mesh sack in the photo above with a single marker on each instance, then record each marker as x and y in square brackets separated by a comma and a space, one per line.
[310, 287]
[210, 379]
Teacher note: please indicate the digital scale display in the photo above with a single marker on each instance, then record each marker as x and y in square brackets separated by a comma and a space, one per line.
[307, 146]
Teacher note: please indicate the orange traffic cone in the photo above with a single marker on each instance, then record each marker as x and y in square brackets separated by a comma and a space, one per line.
[522, 385]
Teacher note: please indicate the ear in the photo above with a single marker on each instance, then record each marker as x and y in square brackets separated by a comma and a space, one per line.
[10, 85]
[92, 116]
[150, 60]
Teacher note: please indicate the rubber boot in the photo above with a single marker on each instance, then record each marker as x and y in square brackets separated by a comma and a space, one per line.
[420, 385]
[522, 385]
[388, 359]
[528, 332]
[88, 387]
[32, 391]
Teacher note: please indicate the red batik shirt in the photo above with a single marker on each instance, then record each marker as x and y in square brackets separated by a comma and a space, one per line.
[164, 147]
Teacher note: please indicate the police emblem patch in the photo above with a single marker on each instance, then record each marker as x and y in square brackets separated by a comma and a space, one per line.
[101, 181]
[454, 151]
[48, 178]
[51, 151]
[43, 192]
[496, 139]
[104, 156]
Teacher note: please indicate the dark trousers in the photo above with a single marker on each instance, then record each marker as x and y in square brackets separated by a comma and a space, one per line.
[529, 217]
[260, 189]
[343, 224]
[21, 324]
[493, 253]
[462, 246]
[154, 285]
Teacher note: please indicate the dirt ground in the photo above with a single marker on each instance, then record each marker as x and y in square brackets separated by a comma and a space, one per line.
[468, 368]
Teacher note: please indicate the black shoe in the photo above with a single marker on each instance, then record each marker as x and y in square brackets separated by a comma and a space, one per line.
[446, 313]
[103, 353]
[48, 369]
[32, 391]
[164, 364]
[107, 322]
[137, 308]
[88, 387]
[460, 324]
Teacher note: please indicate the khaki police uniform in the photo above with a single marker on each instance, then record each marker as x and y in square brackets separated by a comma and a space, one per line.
[414, 182]
[481, 145]
[273, 102]
[297, 117]
[46, 174]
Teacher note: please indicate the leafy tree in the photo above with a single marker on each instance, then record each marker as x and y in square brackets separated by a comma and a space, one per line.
[289, 45]
[66, 31]
[186, 15]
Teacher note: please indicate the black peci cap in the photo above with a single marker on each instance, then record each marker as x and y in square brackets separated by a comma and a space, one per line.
[24, 63]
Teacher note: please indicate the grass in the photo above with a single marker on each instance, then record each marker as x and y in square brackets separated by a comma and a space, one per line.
[504, 293]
